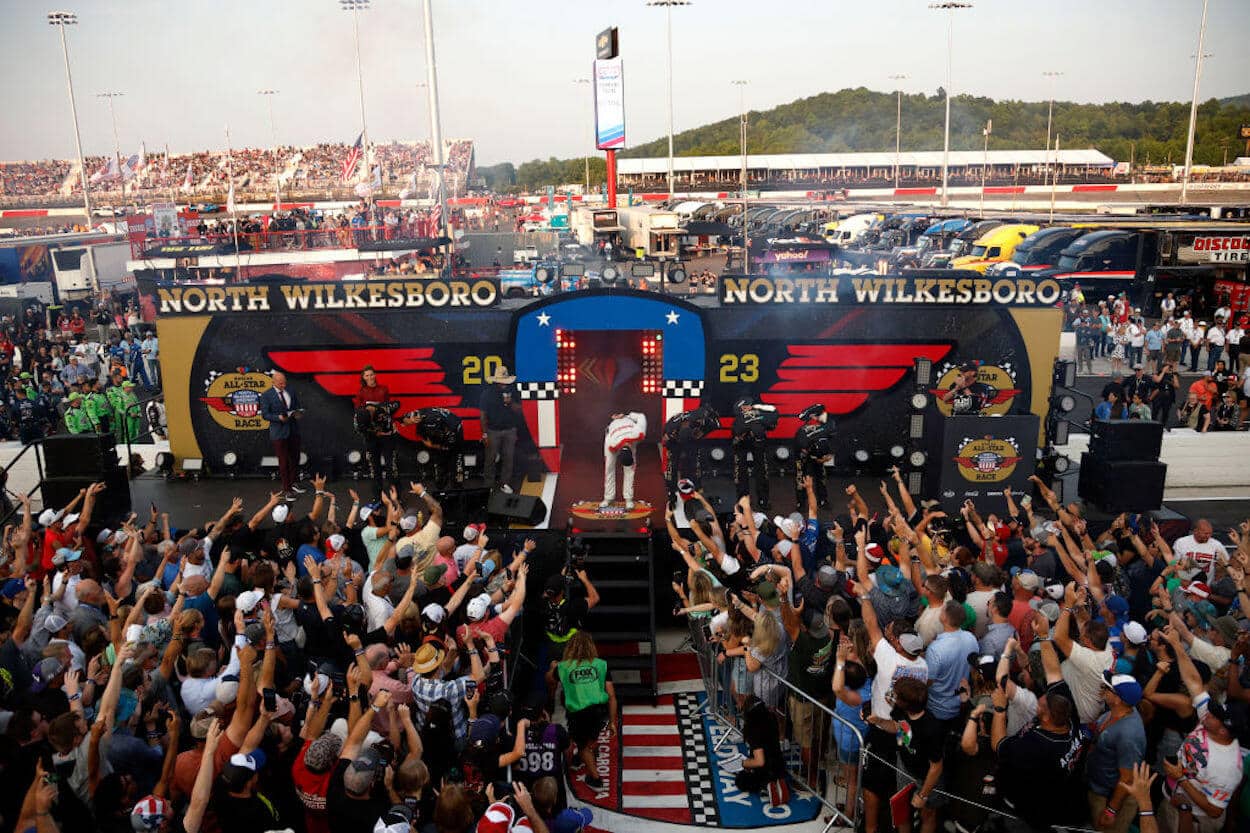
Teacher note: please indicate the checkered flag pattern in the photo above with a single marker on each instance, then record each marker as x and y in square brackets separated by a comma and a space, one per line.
[694, 749]
[538, 390]
[683, 388]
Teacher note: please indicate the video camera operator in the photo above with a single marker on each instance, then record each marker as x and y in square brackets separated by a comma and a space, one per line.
[751, 425]
[568, 597]
[814, 444]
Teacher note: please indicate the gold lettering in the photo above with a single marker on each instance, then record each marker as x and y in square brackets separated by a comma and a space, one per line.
[216, 299]
[735, 290]
[352, 293]
[903, 296]
[981, 291]
[783, 291]
[923, 287]
[416, 293]
[490, 296]
[828, 291]
[866, 289]
[964, 287]
[459, 294]
[945, 287]
[297, 295]
[171, 299]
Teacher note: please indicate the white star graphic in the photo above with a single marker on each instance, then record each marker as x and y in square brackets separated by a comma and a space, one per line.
[671, 317]
[544, 320]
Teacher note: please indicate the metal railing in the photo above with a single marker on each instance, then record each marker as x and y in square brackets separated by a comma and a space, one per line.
[38, 452]
[820, 773]
[271, 240]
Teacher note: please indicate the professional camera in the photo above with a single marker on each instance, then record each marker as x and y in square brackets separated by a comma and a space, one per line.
[575, 559]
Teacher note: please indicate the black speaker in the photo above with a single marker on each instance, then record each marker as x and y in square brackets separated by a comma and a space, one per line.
[79, 455]
[1126, 440]
[524, 508]
[112, 505]
[1122, 485]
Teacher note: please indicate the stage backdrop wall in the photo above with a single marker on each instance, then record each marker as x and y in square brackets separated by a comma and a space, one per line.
[433, 345]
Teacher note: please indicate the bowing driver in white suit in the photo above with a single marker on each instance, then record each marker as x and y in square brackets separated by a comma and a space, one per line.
[624, 432]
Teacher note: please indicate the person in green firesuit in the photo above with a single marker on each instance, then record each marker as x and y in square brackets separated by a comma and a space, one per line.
[28, 382]
[127, 416]
[77, 419]
[114, 394]
[98, 407]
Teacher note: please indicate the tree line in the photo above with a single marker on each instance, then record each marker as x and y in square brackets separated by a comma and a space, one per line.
[1146, 133]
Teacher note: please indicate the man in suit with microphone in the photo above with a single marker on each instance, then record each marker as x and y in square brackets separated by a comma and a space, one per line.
[280, 407]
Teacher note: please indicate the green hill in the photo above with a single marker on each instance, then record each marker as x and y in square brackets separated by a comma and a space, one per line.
[863, 120]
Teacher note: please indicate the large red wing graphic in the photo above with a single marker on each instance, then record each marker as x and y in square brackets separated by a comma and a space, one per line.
[217, 403]
[842, 377]
[412, 375]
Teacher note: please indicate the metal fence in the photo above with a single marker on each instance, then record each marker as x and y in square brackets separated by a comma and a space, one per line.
[813, 761]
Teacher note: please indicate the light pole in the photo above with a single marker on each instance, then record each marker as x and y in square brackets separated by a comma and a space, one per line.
[950, 6]
[585, 82]
[273, 141]
[742, 184]
[356, 6]
[117, 147]
[898, 126]
[985, 158]
[668, 22]
[436, 127]
[61, 20]
[1193, 105]
[1050, 113]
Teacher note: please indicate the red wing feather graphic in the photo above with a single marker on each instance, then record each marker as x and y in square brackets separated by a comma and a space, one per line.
[217, 403]
[411, 374]
[842, 377]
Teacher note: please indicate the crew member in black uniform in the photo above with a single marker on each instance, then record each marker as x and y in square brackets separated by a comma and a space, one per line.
[813, 445]
[681, 453]
[441, 432]
[967, 396]
[751, 425]
[29, 422]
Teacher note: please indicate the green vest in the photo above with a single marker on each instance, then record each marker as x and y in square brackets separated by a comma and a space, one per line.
[97, 406]
[584, 683]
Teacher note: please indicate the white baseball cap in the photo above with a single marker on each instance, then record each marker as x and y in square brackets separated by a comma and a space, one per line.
[248, 599]
[478, 606]
[280, 513]
[1135, 633]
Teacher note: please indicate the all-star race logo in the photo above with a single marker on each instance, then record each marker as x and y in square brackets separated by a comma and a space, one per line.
[997, 388]
[988, 459]
[233, 398]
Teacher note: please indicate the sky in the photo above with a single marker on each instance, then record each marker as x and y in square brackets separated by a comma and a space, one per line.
[507, 68]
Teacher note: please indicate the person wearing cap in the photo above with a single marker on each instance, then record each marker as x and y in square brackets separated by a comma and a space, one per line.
[431, 681]
[1216, 648]
[572, 820]
[380, 519]
[77, 418]
[1209, 766]
[966, 396]
[897, 655]
[810, 671]
[281, 409]
[749, 430]
[423, 537]
[99, 411]
[620, 439]
[238, 802]
[353, 801]
[1119, 746]
[501, 420]
[127, 418]
[813, 446]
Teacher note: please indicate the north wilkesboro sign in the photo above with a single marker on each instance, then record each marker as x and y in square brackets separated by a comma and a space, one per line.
[959, 289]
[329, 296]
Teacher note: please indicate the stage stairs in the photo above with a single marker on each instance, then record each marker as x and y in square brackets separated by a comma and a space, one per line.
[621, 566]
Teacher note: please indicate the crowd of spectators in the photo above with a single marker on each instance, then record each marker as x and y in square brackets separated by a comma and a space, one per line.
[1156, 354]
[270, 670]
[1020, 669]
[82, 370]
[256, 170]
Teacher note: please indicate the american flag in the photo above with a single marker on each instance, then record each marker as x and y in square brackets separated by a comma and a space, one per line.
[353, 158]
[186, 182]
[436, 219]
